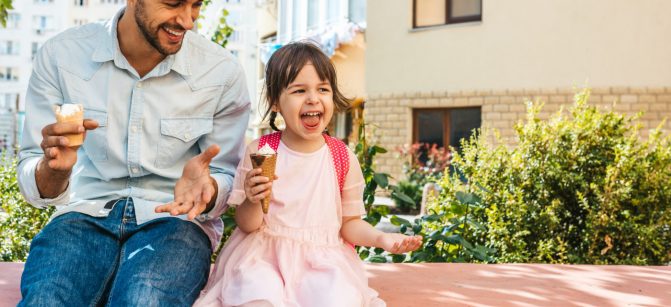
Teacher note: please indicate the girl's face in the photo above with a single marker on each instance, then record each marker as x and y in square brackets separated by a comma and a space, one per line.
[306, 105]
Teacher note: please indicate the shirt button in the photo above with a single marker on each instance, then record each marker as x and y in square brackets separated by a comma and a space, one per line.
[133, 129]
[135, 170]
[187, 136]
[139, 85]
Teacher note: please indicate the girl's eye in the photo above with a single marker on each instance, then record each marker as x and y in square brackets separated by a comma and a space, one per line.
[299, 91]
[324, 90]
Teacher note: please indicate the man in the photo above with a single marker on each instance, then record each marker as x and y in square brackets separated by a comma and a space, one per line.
[139, 202]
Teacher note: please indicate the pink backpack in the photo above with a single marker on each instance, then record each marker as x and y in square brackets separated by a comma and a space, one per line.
[337, 148]
[338, 151]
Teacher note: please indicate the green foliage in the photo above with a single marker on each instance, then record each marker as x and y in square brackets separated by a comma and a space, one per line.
[366, 152]
[452, 232]
[229, 225]
[422, 163]
[19, 222]
[222, 30]
[578, 188]
[5, 6]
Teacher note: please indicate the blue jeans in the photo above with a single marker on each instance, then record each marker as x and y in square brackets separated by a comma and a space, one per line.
[79, 260]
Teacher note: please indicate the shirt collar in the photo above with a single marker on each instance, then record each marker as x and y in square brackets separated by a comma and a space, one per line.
[108, 49]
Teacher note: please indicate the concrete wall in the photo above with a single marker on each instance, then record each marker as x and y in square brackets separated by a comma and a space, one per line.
[522, 49]
[521, 44]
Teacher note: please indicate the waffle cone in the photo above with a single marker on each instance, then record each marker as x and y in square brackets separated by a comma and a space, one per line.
[267, 165]
[77, 118]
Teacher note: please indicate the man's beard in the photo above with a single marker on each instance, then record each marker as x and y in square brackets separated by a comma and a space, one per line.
[152, 36]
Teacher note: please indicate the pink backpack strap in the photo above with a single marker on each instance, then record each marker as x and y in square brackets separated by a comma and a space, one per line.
[338, 150]
[272, 139]
[340, 156]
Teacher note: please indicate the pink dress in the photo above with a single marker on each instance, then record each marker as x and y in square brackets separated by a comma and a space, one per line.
[298, 257]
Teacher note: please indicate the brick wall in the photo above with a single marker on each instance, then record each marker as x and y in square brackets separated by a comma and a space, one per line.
[391, 114]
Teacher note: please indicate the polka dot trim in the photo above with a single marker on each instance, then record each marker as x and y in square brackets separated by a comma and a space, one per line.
[340, 157]
[272, 139]
[337, 148]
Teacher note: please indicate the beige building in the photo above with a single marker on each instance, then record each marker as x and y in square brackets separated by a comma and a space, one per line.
[436, 69]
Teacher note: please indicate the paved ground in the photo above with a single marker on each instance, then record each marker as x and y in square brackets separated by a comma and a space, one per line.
[448, 284]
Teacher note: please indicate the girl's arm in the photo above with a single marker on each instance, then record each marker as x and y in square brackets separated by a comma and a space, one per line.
[358, 232]
[249, 215]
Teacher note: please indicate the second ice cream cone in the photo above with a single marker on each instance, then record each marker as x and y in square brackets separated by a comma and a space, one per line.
[267, 165]
[71, 113]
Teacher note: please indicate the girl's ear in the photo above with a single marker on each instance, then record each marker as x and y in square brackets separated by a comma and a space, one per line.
[275, 108]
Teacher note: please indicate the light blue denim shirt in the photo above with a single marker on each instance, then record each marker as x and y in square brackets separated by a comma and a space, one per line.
[149, 127]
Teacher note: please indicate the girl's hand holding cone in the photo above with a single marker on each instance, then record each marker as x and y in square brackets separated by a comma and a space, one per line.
[257, 186]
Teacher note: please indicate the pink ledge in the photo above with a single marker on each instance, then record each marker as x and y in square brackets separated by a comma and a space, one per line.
[441, 284]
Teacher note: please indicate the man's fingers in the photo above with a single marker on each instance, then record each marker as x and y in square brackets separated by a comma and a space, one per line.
[90, 124]
[207, 155]
[54, 141]
[62, 129]
[195, 211]
[165, 207]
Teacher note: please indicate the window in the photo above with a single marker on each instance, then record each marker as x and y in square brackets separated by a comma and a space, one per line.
[9, 74]
[445, 126]
[428, 13]
[43, 1]
[313, 14]
[357, 11]
[81, 2]
[9, 47]
[333, 11]
[34, 47]
[13, 20]
[42, 24]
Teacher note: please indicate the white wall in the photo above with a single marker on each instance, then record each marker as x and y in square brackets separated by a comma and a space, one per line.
[521, 44]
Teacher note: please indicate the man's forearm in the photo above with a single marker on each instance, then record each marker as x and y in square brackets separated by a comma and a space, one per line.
[50, 183]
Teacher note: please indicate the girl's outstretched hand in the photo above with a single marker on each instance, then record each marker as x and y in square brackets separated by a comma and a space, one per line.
[397, 243]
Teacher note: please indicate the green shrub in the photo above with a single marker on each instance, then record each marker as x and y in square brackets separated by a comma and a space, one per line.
[19, 221]
[422, 163]
[578, 188]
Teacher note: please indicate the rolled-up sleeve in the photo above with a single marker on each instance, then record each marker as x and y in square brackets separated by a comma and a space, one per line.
[43, 92]
[352, 192]
[230, 124]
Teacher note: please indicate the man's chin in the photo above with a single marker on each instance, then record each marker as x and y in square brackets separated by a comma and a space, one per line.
[170, 49]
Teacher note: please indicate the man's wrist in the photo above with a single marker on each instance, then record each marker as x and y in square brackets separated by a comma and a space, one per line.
[213, 201]
[50, 183]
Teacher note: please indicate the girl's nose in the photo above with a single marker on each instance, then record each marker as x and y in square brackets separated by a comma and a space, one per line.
[312, 98]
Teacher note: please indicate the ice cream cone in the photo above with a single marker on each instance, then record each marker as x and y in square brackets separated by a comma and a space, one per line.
[71, 113]
[267, 165]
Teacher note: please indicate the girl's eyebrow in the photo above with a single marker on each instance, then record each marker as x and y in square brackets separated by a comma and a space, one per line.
[301, 84]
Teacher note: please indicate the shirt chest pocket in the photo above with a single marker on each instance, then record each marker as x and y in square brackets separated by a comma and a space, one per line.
[95, 144]
[178, 139]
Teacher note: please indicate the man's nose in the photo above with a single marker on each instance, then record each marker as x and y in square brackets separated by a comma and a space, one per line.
[185, 18]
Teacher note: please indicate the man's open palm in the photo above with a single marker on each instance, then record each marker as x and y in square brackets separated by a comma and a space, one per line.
[196, 188]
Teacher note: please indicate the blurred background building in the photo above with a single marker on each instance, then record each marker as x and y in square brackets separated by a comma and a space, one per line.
[29, 25]
[427, 71]
[436, 69]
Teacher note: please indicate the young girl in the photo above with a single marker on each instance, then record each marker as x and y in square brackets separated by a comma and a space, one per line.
[300, 253]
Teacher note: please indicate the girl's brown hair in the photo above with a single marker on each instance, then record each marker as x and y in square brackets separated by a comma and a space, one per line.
[285, 64]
